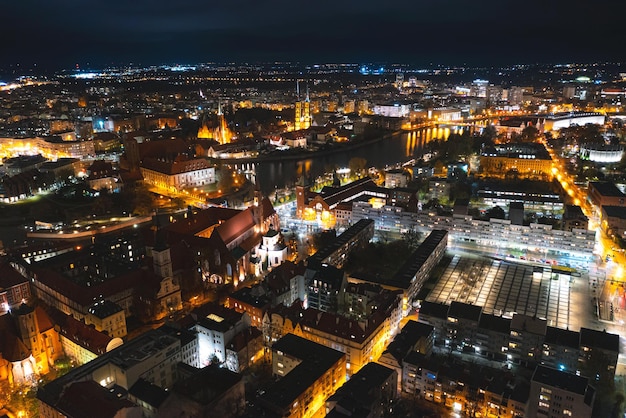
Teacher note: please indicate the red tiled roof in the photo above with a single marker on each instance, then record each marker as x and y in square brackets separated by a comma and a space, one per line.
[83, 295]
[241, 340]
[177, 166]
[9, 277]
[267, 209]
[159, 148]
[201, 220]
[11, 346]
[236, 226]
[82, 334]
[43, 319]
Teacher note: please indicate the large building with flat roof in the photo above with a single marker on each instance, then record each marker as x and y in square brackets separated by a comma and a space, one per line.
[499, 234]
[370, 392]
[604, 193]
[523, 339]
[308, 374]
[554, 393]
[336, 253]
[152, 356]
[411, 276]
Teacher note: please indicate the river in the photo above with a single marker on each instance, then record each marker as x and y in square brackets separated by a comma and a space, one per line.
[388, 151]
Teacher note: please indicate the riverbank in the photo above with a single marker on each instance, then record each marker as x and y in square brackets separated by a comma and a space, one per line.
[297, 155]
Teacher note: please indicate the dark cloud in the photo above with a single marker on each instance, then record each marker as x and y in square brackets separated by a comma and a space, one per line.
[490, 31]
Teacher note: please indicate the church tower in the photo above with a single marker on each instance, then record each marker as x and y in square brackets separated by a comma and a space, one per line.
[303, 110]
[29, 330]
[161, 257]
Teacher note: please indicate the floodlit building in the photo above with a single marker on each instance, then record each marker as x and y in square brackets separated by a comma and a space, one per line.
[524, 159]
[153, 356]
[370, 392]
[558, 121]
[178, 174]
[308, 374]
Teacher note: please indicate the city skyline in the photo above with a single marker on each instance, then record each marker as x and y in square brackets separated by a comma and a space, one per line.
[65, 33]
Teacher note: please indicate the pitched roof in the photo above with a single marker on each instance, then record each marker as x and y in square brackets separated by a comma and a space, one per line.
[44, 322]
[198, 221]
[178, 166]
[80, 333]
[236, 226]
[316, 360]
[9, 277]
[12, 347]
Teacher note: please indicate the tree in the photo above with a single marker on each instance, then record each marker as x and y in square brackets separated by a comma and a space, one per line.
[142, 200]
[529, 134]
[412, 238]
[357, 165]
[321, 239]
[225, 179]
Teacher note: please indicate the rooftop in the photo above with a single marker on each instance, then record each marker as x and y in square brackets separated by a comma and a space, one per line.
[562, 380]
[321, 255]
[606, 188]
[207, 384]
[316, 360]
[364, 387]
[615, 211]
[467, 311]
[104, 309]
[148, 392]
[599, 339]
[89, 399]
[562, 337]
[406, 274]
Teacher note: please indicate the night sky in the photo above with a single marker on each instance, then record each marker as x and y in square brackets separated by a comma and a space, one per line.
[63, 33]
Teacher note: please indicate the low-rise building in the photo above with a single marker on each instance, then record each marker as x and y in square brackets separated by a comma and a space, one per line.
[216, 327]
[14, 287]
[464, 387]
[415, 336]
[81, 342]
